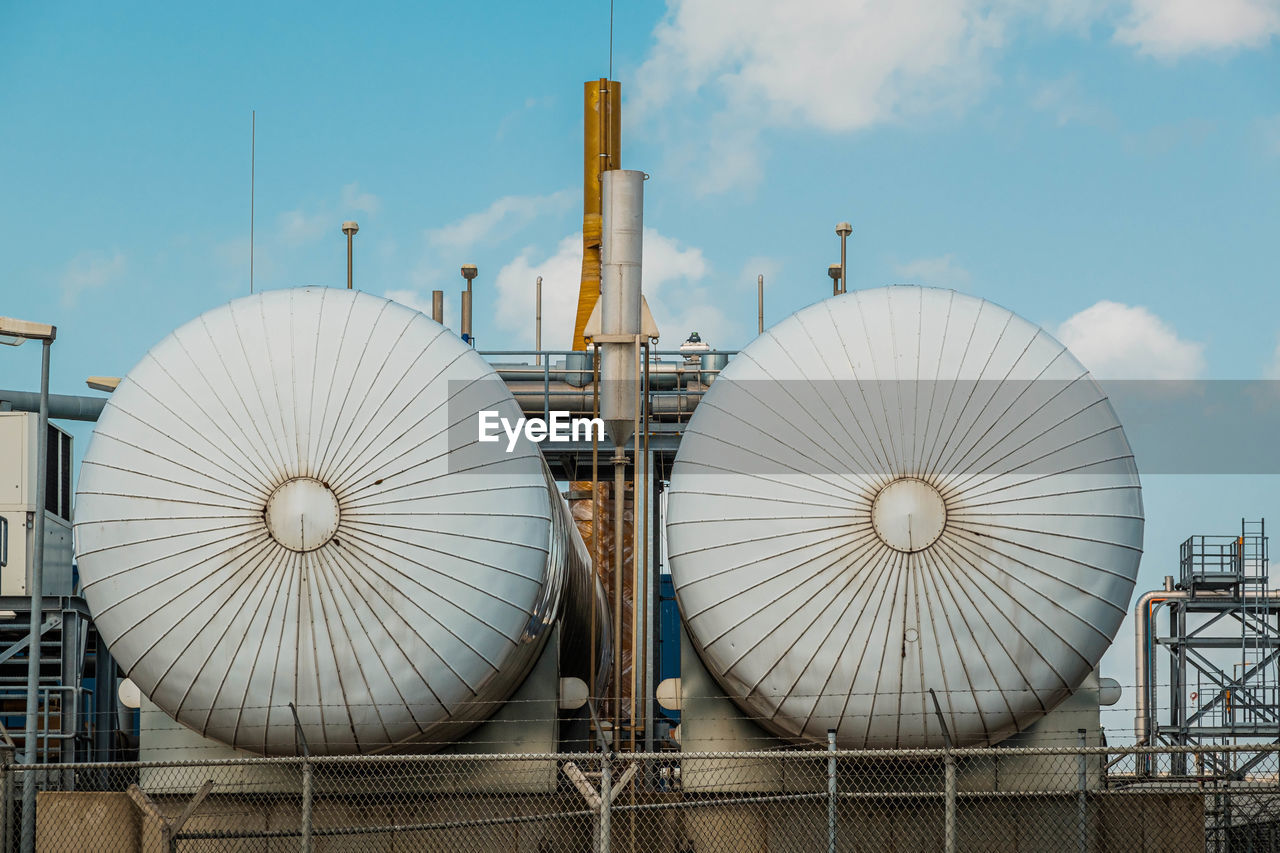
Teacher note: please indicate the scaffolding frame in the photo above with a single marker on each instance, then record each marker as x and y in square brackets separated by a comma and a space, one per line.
[1222, 644]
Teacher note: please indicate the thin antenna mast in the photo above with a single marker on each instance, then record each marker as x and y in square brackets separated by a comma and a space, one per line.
[610, 39]
[253, 148]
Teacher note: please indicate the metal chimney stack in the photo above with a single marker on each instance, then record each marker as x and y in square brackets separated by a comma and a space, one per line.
[620, 302]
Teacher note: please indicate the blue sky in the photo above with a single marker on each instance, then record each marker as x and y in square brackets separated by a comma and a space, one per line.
[1110, 170]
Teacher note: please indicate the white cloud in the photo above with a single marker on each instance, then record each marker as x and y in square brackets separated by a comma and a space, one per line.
[561, 273]
[89, 271]
[721, 74]
[673, 286]
[355, 201]
[1272, 370]
[298, 227]
[1066, 102]
[1269, 132]
[935, 272]
[305, 225]
[1117, 341]
[770, 268]
[1171, 28]
[836, 66]
[509, 213]
[745, 65]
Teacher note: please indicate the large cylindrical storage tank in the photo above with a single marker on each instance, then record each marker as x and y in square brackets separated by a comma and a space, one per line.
[899, 491]
[285, 501]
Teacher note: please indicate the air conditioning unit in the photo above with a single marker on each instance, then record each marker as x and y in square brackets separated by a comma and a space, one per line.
[19, 470]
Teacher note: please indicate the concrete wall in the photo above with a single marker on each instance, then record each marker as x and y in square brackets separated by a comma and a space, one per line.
[1134, 822]
[87, 822]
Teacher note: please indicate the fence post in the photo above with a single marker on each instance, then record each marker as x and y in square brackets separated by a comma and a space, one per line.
[831, 792]
[1082, 805]
[606, 803]
[306, 779]
[6, 798]
[949, 793]
[949, 779]
[306, 804]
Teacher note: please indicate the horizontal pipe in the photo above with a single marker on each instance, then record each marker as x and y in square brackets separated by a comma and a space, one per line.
[524, 380]
[534, 395]
[65, 407]
[663, 375]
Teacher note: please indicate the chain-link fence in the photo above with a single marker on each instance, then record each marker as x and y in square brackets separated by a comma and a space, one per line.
[1083, 799]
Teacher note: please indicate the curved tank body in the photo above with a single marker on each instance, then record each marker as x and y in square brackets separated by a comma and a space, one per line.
[898, 491]
[285, 501]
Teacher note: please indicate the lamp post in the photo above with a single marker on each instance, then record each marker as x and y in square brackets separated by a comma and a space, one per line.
[350, 227]
[834, 272]
[469, 272]
[844, 229]
[14, 333]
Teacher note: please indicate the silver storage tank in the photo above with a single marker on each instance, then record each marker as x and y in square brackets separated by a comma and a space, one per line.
[285, 502]
[898, 491]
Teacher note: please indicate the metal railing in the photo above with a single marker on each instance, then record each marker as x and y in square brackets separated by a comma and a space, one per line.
[1068, 799]
[547, 380]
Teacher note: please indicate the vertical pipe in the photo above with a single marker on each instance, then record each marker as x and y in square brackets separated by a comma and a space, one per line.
[646, 561]
[37, 610]
[831, 791]
[466, 317]
[104, 702]
[844, 270]
[621, 300]
[619, 507]
[1082, 815]
[637, 527]
[596, 569]
[1177, 690]
[350, 235]
[437, 306]
[760, 304]
[253, 150]
[1144, 690]
[537, 323]
[620, 319]
[1142, 633]
[949, 793]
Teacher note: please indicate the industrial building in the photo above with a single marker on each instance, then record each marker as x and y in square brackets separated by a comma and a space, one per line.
[900, 522]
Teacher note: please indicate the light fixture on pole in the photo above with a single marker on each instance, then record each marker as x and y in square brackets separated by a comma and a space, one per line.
[350, 227]
[14, 333]
[834, 272]
[844, 229]
[537, 321]
[469, 272]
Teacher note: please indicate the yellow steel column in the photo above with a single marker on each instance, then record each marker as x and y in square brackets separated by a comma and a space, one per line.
[601, 150]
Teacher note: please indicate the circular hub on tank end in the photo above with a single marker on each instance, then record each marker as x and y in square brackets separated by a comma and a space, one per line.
[908, 515]
[302, 514]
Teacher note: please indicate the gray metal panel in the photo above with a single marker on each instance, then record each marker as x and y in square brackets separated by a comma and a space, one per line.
[814, 620]
[425, 609]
